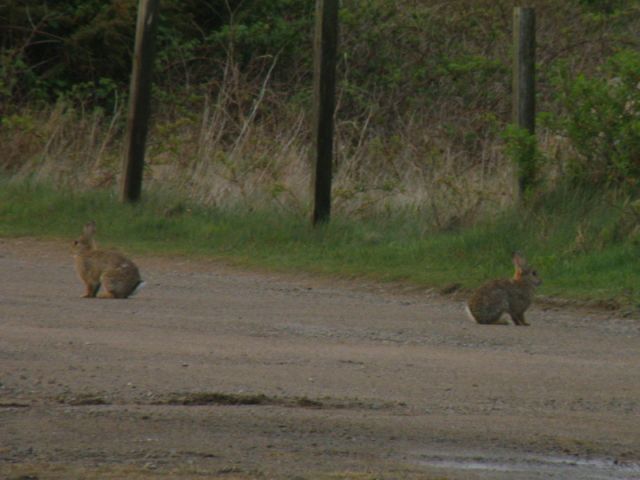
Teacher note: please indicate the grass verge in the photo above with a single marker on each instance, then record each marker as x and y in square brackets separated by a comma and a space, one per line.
[585, 246]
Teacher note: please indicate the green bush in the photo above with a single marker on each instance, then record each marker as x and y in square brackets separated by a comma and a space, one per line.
[522, 148]
[603, 6]
[601, 117]
[50, 47]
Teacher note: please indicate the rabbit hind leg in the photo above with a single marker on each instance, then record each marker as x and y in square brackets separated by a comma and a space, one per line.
[91, 290]
[500, 321]
[114, 285]
[107, 294]
[488, 318]
[518, 319]
[111, 290]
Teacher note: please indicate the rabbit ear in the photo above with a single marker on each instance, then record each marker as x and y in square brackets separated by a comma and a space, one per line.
[519, 260]
[89, 228]
[521, 265]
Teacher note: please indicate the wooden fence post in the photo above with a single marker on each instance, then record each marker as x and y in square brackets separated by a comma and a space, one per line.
[139, 101]
[324, 74]
[524, 88]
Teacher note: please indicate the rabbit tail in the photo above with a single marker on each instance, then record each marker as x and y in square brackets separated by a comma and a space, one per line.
[137, 288]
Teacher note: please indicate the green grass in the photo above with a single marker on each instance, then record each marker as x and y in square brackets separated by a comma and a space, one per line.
[585, 246]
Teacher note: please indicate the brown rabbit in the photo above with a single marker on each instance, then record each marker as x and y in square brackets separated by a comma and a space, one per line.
[116, 274]
[495, 298]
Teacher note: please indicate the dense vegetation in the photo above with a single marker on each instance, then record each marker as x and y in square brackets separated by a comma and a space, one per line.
[423, 113]
[431, 74]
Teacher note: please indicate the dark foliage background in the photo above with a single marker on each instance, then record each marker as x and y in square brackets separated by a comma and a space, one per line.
[441, 67]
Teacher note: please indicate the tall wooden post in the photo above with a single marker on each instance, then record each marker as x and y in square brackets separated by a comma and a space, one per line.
[139, 101]
[524, 36]
[324, 74]
[524, 88]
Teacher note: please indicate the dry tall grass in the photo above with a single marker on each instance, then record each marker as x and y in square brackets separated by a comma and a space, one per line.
[206, 159]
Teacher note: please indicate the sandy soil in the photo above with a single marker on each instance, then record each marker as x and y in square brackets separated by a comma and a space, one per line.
[212, 372]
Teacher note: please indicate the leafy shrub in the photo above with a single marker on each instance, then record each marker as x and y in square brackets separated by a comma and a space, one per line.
[48, 47]
[601, 118]
[604, 6]
[522, 148]
[52, 46]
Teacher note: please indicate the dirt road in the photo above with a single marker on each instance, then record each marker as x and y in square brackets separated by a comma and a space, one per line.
[211, 372]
